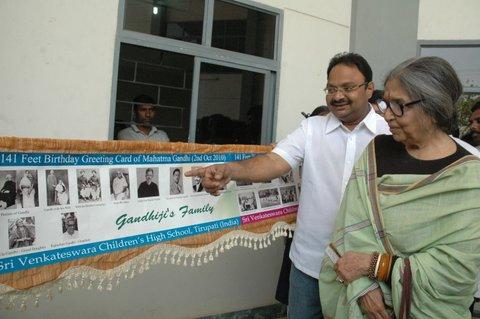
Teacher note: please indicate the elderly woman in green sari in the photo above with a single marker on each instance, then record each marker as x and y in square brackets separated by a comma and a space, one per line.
[407, 238]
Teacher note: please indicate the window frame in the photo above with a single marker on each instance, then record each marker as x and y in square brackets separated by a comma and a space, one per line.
[206, 53]
[421, 44]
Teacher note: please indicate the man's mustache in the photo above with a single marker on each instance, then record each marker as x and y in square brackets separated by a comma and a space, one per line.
[340, 102]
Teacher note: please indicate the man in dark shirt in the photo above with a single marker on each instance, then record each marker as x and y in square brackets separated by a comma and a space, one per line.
[148, 188]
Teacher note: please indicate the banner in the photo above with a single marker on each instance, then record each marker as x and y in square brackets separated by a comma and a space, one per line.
[85, 213]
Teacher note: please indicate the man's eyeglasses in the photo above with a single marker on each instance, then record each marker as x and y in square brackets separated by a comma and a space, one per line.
[396, 108]
[477, 120]
[330, 90]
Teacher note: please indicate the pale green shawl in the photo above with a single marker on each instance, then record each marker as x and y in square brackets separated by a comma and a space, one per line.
[434, 220]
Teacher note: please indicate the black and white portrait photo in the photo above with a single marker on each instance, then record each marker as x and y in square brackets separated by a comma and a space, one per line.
[69, 226]
[27, 188]
[197, 186]
[176, 181]
[247, 201]
[287, 178]
[57, 187]
[8, 190]
[269, 197]
[88, 184]
[147, 181]
[21, 232]
[242, 183]
[288, 194]
[119, 184]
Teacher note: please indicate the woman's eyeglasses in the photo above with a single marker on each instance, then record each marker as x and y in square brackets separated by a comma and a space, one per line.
[396, 108]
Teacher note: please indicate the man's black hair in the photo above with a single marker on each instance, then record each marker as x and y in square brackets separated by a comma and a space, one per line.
[352, 59]
[320, 110]
[476, 106]
[142, 99]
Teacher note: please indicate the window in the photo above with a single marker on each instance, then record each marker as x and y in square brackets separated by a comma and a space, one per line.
[463, 56]
[179, 19]
[208, 69]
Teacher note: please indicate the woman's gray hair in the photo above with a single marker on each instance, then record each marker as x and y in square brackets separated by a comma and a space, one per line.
[435, 81]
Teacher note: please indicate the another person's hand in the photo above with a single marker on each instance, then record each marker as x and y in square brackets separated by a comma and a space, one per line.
[214, 177]
[352, 266]
[373, 306]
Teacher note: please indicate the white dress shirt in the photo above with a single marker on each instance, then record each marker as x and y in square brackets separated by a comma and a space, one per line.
[328, 151]
[133, 133]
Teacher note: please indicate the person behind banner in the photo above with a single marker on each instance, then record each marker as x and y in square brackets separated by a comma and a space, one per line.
[20, 235]
[410, 247]
[333, 141]
[148, 188]
[143, 130]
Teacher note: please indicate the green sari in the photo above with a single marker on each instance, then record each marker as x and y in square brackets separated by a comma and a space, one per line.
[434, 220]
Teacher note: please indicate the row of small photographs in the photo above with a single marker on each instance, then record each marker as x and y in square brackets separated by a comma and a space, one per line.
[284, 179]
[19, 189]
[247, 201]
[21, 231]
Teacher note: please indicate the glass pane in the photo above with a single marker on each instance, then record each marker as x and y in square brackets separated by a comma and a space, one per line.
[464, 60]
[175, 19]
[230, 105]
[164, 79]
[244, 30]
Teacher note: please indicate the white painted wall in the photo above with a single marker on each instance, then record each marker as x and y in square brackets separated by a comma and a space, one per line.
[56, 65]
[313, 32]
[449, 20]
[56, 62]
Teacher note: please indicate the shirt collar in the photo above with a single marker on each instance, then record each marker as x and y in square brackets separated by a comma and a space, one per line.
[153, 129]
[370, 121]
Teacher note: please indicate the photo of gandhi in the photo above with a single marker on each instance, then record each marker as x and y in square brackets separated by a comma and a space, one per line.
[176, 181]
[8, 192]
[88, 184]
[21, 232]
[269, 197]
[197, 186]
[57, 187]
[119, 184]
[148, 185]
[27, 189]
[288, 194]
[69, 226]
[247, 201]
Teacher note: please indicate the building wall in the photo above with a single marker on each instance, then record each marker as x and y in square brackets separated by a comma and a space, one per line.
[385, 33]
[449, 20]
[56, 66]
[313, 31]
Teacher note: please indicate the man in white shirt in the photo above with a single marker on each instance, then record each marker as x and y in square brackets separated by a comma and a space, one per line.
[143, 130]
[328, 146]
